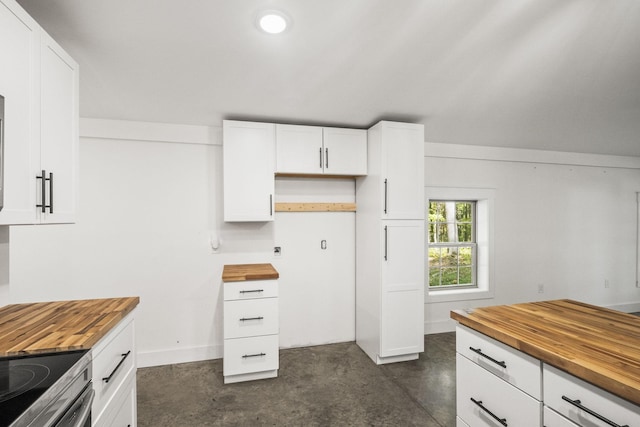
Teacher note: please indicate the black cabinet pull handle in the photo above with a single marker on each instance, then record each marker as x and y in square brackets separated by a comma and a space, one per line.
[124, 356]
[251, 290]
[579, 405]
[386, 235]
[50, 179]
[244, 319]
[326, 158]
[502, 421]
[270, 204]
[246, 356]
[385, 195]
[320, 157]
[43, 189]
[479, 352]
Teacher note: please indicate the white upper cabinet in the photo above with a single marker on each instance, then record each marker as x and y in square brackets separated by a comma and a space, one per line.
[249, 167]
[315, 150]
[39, 83]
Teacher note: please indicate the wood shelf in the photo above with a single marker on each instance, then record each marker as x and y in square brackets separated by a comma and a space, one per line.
[315, 207]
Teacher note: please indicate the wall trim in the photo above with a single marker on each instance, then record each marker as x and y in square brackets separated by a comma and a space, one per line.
[151, 132]
[631, 307]
[179, 355]
[439, 326]
[522, 155]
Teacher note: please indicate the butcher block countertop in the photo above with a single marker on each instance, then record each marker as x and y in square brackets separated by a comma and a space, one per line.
[244, 272]
[46, 327]
[598, 345]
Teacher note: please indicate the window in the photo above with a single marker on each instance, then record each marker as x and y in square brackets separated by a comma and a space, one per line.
[452, 244]
[467, 232]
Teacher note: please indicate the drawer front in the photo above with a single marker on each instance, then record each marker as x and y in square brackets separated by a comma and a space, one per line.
[460, 423]
[113, 360]
[494, 399]
[513, 366]
[558, 384]
[250, 318]
[250, 289]
[246, 355]
[553, 419]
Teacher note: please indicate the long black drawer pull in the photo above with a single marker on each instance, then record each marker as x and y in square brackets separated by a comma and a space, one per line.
[246, 356]
[124, 356]
[579, 405]
[480, 353]
[502, 421]
[252, 290]
[244, 319]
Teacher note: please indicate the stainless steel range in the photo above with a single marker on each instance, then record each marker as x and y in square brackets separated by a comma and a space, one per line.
[53, 389]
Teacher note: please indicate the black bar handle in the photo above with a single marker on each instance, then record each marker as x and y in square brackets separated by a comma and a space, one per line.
[246, 356]
[251, 291]
[579, 405]
[386, 239]
[479, 352]
[320, 157]
[43, 189]
[270, 204]
[502, 421]
[50, 179]
[244, 319]
[385, 195]
[124, 356]
[326, 158]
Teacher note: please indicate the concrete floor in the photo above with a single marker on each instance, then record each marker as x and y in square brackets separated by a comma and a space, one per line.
[329, 385]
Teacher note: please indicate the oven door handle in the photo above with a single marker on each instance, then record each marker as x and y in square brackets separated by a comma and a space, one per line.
[80, 412]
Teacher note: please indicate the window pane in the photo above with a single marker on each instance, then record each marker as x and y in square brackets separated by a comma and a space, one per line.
[449, 276]
[434, 277]
[464, 232]
[464, 256]
[466, 277]
[435, 257]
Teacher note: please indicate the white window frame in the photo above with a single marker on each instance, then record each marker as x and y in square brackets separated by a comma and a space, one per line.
[484, 198]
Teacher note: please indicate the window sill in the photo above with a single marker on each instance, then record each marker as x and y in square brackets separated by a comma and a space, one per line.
[458, 295]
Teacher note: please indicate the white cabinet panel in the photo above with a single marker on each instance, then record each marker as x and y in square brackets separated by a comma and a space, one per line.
[250, 355]
[574, 398]
[345, 151]
[513, 366]
[483, 399]
[250, 289]
[299, 149]
[250, 318]
[553, 419]
[249, 167]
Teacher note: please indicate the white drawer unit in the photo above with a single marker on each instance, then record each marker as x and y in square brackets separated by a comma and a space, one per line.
[251, 328]
[483, 399]
[513, 366]
[585, 404]
[114, 371]
[553, 419]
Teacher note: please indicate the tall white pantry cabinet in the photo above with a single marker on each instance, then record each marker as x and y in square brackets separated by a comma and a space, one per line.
[390, 247]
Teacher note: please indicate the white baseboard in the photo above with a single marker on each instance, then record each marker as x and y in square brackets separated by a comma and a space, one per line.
[181, 355]
[439, 327]
[631, 307]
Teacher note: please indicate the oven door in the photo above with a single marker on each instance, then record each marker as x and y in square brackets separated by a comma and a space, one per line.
[79, 413]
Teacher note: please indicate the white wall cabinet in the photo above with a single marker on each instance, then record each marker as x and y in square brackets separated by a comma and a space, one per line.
[248, 170]
[390, 247]
[39, 82]
[315, 150]
[114, 376]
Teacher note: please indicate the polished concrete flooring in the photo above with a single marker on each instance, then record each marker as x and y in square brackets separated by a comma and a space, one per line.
[329, 385]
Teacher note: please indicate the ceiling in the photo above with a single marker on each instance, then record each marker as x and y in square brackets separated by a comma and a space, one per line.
[539, 74]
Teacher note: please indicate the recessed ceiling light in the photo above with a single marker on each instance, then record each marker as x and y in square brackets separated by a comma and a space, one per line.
[273, 21]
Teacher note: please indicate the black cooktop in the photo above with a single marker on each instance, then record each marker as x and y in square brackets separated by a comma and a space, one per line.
[24, 379]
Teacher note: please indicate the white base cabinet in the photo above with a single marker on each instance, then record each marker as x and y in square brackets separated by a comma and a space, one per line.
[114, 376]
[251, 330]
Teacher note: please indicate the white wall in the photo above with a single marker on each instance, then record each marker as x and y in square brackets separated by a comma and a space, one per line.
[557, 222]
[150, 204]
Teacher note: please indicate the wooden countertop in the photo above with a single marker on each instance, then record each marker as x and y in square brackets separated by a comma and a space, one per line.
[47, 327]
[596, 344]
[244, 272]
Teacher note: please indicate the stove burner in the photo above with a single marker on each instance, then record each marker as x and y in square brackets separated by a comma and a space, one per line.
[21, 379]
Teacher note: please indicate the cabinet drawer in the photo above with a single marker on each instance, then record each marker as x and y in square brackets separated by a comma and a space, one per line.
[250, 318]
[246, 355]
[553, 419]
[513, 366]
[559, 384]
[498, 398]
[113, 360]
[250, 289]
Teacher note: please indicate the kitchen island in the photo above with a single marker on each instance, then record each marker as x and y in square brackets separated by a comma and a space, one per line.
[594, 351]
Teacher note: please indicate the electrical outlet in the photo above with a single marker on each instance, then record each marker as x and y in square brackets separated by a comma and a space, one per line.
[277, 251]
[540, 288]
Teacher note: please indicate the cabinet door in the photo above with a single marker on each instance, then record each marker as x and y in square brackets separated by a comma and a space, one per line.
[59, 132]
[19, 47]
[299, 149]
[345, 151]
[249, 166]
[403, 170]
[402, 299]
